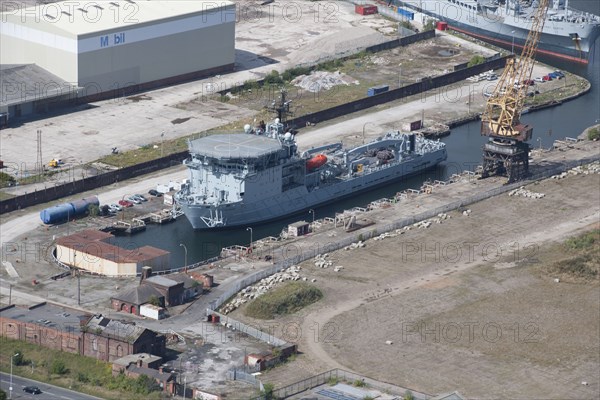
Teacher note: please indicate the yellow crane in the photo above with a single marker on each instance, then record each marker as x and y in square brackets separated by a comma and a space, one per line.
[506, 152]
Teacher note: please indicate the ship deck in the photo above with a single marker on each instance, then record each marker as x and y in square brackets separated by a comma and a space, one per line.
[232, 146]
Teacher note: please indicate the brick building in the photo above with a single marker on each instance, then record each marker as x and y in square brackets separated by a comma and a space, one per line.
[77, 332]
[108, 340]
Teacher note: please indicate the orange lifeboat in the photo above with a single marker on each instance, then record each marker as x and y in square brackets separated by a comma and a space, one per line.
[316, 162]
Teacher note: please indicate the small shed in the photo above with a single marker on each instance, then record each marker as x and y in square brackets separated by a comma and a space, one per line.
[299, 228]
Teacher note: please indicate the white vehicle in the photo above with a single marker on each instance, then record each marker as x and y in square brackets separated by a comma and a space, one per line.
[115, 207]
[539, 79]
[133, 199]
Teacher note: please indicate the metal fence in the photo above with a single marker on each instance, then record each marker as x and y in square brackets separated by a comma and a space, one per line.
[248, 330]
[340, 375]
[235, 374]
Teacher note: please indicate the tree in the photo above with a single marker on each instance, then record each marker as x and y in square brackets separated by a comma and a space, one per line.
[155, 301]
[268, 391]
[20, 359]
[476, 60]
[94, 210]
[2, 395]
[429, 25]
[593, 134]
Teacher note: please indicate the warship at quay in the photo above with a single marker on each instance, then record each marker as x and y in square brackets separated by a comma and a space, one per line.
[567, 33]
[257, 176]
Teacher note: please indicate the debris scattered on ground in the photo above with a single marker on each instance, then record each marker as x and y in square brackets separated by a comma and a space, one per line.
[261, 287]
[323, 80]
[526, 193]
[353, 246]
[593, 168]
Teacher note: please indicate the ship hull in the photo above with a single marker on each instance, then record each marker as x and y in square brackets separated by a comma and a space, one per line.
[568, 41]
[295, 200]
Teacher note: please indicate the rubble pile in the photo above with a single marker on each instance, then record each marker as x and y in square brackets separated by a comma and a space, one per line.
[526, 193]
[356, 245]
[261, 287]
[323, 80]
[593, 168]
[322, 262]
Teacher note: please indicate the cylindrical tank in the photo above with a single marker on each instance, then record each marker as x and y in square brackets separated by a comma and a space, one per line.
[57, 214]
[81, 206]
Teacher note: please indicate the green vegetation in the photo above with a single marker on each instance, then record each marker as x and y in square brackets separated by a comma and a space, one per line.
[268, 391]
[333, 381]
[476, 60]
[407, 25]
[583, 258]
[429, 25]
[283, 300]
[155, 301]
[84, 374]
[359, 383]
[6, 180]
[593, 134]
[94, 210]
[58, 367]
[3, 395]
[584, 241]
[408, 395]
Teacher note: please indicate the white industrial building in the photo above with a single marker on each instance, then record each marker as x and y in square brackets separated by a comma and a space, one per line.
[106, 47]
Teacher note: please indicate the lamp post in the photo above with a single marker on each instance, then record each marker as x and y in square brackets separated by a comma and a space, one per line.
[11, 374]
[250, 229]
[185, 249]
[184, 383]
[363, 131]
[540, 142]
[311, 211]
[512, 49]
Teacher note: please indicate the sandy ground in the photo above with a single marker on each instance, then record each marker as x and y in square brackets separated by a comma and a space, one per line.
[464, 303]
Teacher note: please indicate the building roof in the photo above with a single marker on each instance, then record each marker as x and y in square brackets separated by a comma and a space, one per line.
[105, 327]
[92, 242]
[138, 295]
[152, 373]
[162, 281]
[298, 224]
[134, 358]
[48, 315]
[22, 83]
[187, 281]
[233, 146]
[449, 396]
[81, 19]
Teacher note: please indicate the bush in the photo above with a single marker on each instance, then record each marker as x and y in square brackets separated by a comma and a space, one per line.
[58, 367]
[273, 78]
[83, 378]
[292, 73]
[20, 359]
[429, 25]
[359, 383]
[93, 210]
[6, 180]
[2, 395]
[268, 391]
[593, 134]
[407, 25]
[408, 395]
[333, 381]
[476, 60]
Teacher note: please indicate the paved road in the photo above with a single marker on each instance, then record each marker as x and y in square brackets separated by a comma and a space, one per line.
[48, 391]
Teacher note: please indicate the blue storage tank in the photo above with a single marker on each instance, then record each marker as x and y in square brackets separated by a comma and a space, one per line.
[57, 214]
[409, 15]
[81, 206]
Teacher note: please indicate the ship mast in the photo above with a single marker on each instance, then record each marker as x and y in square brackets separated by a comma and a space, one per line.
[281, 107]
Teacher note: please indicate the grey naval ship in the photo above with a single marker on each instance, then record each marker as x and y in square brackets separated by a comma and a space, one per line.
[567, 33]
[247, 178]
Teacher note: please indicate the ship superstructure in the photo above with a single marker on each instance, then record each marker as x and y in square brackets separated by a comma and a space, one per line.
[253, 177]
[567, 33]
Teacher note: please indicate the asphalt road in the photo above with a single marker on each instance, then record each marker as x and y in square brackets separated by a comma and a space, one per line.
[48, 391]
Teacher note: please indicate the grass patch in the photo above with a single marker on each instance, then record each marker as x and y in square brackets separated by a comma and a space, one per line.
[6, 180]
[582, 259]
[82, 374]
[146, 153]
[283, 300]
[593, 134]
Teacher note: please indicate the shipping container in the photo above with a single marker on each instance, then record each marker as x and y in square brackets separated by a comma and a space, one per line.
[442, 26]
[408, 15]
[169, 198]
[57, 214]
[151, 311]
[372, 91]
[365, 9]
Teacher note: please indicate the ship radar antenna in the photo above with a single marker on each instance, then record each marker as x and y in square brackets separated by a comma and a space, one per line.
[281, 107]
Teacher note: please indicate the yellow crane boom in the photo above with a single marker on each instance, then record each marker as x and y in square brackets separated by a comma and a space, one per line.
[501, 117]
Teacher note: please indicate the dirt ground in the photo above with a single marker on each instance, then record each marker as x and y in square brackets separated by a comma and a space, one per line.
[467, 304]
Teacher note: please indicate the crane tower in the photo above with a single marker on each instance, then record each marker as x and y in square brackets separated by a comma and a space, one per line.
[507, 151]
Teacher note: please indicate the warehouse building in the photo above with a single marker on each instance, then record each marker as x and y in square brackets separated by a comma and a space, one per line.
[115, 48]
[90, 250]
